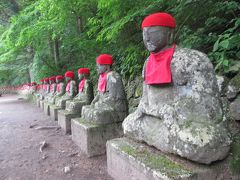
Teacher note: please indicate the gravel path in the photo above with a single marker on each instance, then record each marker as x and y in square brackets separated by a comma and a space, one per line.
[20, 156]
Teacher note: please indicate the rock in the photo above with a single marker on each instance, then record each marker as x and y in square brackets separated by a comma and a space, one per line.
[134, 92]
[185, 117]
[233, 87]
[235, 109]
[67, 169]
[222, 84]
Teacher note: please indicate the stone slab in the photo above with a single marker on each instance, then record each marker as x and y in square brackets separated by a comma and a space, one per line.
[54, 112]
[38, 102]
[127, 159]
[42, 104]
[92, 138]
[46, 108]
[64, 120]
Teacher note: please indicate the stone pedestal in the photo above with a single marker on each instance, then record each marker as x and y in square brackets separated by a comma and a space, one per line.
[34, 99]
[38, 102]
[46, 108]
[92, 138]
[42, 104]
[54, 112]
[127, 159]
[64, 120]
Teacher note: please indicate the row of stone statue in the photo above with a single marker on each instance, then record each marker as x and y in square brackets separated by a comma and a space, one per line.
[180, 110]
[110, 103]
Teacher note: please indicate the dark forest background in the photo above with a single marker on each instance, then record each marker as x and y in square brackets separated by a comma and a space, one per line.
[41, 38]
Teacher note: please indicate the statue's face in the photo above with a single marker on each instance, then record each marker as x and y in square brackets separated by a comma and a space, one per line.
[156, 38]
[80, 77]
[102, 68]
[58, 80]
[67, 79]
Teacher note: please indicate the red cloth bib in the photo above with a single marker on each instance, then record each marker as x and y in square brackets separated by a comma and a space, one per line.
[81, 85]
[158, 70]
[102, 82]
[51, 87]
[68, 87]
[58, 87]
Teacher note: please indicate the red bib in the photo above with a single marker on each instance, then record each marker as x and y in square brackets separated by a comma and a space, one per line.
[68, 87]
[58, 87]
[51, 87]
[81, 85]
[158, 70]
[102, 82]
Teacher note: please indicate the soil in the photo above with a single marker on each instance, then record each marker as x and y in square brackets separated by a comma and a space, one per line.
[20, 156]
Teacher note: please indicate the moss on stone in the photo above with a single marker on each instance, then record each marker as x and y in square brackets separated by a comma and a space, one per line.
[156, 161]
[235, 155]
[87, 123]
[235, 81]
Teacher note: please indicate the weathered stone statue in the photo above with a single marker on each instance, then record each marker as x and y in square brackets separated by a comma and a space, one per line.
[45, 88]
[52, 88]
[110, 103]
[33, 88]
[70, 90]
[60, 89]
[74, 107]
[180, 110]
[85, 92]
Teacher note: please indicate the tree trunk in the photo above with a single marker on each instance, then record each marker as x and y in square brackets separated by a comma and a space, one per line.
[79, 25]
[56, 52]
[51, 47]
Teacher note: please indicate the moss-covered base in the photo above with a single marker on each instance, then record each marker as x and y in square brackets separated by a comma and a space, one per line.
[127, 158]
[87, 123]
[91, 138]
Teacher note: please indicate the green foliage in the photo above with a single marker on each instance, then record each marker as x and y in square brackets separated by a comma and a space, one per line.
[48, 37]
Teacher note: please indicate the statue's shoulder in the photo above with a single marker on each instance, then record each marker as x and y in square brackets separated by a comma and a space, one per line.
[190, 58]
[113, 74]
[87, 81]
[186, 53]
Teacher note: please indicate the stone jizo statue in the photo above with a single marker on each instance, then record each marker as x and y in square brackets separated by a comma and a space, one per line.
[60, 89]
[71, 90]
[33, 88]
[180, 110]
[110, 103]
[85, 92]
[45, 88]
[52, 88]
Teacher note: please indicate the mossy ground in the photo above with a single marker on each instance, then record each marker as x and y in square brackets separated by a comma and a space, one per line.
[156, 161]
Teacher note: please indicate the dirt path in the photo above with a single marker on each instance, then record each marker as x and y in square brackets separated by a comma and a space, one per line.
[20, 158]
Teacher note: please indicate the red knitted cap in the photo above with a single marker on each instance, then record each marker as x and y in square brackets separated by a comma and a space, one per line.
[46, 79]
[84, 71]
[69, 74]
[59, 77]
[42, 80]
[33, 83]
[52, 78]
[104, 59]
[159, 19]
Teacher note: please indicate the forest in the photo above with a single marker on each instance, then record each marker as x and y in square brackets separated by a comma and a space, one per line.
[41, 38]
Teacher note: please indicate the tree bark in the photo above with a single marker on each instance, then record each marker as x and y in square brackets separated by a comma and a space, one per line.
[79, 25]
[56, 52]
